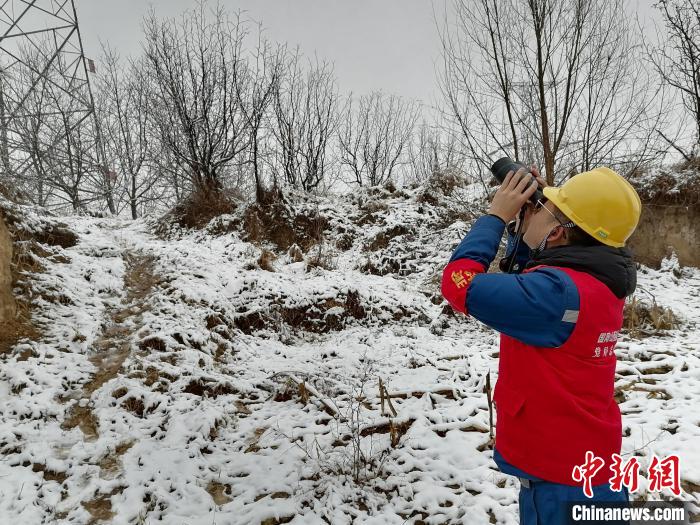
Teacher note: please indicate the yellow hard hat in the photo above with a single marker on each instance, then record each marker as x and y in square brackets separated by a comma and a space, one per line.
[601, 203]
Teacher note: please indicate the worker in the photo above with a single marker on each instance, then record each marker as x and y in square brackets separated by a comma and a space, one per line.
[559, 313]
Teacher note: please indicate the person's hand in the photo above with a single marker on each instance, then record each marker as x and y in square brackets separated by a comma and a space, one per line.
[512, 195]
[538, 177]
[529, 207]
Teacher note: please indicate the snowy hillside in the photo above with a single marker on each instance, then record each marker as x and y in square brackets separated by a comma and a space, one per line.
[232, 375]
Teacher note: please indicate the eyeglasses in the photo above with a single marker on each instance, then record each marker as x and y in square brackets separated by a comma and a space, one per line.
[540, 204]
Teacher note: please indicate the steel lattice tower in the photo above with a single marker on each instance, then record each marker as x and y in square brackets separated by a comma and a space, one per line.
[41, 52]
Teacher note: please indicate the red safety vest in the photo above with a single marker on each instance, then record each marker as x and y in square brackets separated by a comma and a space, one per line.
[554, 404]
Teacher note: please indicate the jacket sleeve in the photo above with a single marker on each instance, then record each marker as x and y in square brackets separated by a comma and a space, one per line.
[539, 308]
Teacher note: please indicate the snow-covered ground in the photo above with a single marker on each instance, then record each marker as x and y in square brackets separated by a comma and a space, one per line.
[176, 380]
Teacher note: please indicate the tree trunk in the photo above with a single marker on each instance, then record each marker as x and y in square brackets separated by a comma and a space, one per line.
[4, 120]
[110, 199]
[134, 211]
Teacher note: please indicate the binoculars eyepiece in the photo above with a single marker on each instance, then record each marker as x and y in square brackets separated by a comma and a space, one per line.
[503, 165]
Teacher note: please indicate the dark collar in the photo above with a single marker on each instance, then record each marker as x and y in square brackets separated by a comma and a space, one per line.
[614, 267]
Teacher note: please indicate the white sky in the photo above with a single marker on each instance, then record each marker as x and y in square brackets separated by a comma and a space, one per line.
[391, 45]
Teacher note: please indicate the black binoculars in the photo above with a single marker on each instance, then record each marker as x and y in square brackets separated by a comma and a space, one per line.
[503, 165]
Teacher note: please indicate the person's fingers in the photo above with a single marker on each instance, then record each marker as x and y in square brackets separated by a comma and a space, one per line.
[514, 180]
[535, 170]
[507, 180]
[532, 188]
[540, 180]
[525, 179]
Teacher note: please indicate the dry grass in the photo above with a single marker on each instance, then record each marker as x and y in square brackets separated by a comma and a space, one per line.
[154, 375]
[647, 386]
[382, 239]
[153, 343]
[277, 521]
[274, 221]
[57, 235]
[18, 329]
[692, 164]
[321, 316]
[254, 445]
[439, 185]
[678, 185]
[49, 475]
[219, 492]
[100, 507]
[200, 388]
[322, 257]
[266, 260]
[344, 242]
[6, 192]
[111, 463]
[642, 319]
[134, 405]
[120, 392]
[83, 418]
[353, 305]
[199, 208]
[295, 253]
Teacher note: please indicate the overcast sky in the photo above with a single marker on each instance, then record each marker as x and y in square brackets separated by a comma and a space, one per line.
[391, 45]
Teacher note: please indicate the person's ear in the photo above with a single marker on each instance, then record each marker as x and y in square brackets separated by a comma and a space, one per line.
[556, 234]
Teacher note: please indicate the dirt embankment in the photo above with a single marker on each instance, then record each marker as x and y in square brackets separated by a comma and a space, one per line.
[8, 306]
[667, 228]
[670, 214]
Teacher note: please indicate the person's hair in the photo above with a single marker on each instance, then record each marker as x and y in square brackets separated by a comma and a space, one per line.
[576, 236]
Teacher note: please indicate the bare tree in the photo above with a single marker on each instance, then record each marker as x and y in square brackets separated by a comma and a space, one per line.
[677, 61]
[171, 176]
[198, 68]
[552, 81]
[306, 119]
[72, 166]
[265, 74]
[434, 150]
[32, 130]
[376, 132]
[68, 166]
[123, 112]
[4, 117]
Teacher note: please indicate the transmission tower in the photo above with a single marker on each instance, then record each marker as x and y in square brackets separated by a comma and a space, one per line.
[44, 76]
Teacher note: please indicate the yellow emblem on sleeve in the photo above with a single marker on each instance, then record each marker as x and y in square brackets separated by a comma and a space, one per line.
[462, 278]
